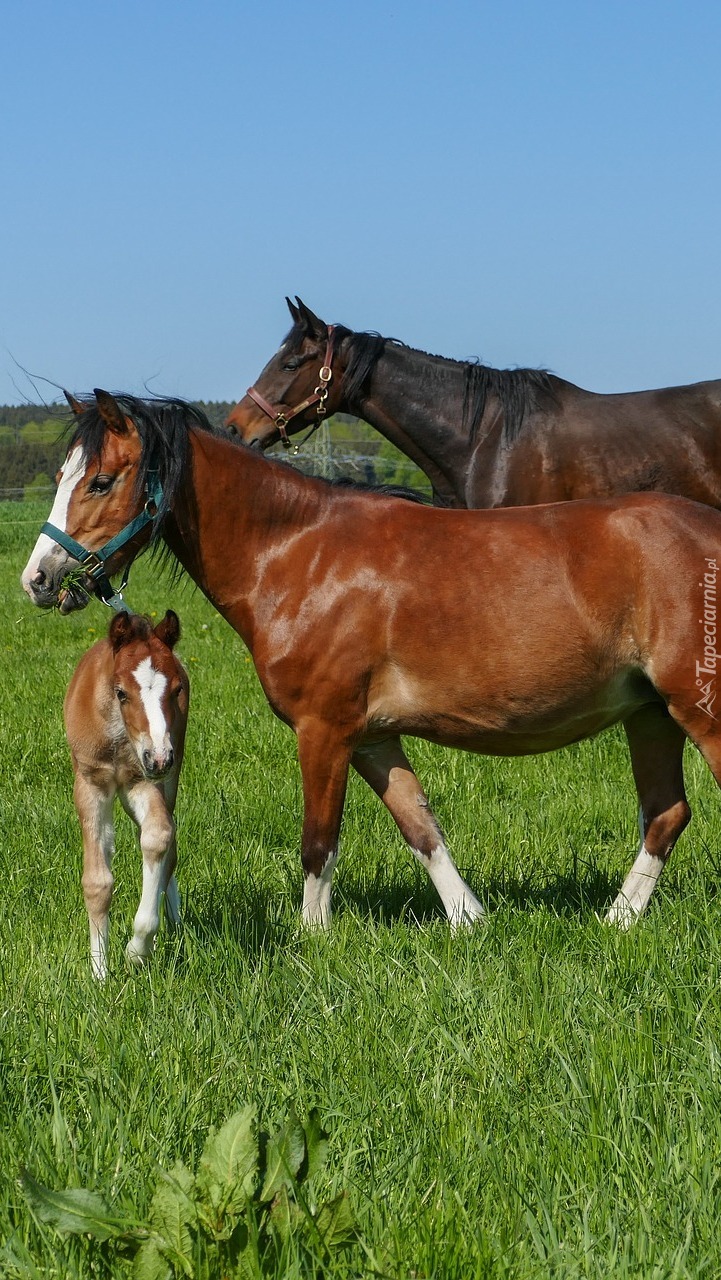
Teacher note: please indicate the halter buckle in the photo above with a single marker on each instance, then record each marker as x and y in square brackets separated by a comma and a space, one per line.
[93, 565]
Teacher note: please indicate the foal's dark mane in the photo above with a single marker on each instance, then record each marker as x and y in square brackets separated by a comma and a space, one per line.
[519, 392]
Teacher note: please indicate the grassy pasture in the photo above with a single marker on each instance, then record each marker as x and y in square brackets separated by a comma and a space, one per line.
[538, 1097]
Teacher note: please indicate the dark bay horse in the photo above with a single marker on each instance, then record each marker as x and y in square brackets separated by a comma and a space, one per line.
[506, 632]
[489, 437]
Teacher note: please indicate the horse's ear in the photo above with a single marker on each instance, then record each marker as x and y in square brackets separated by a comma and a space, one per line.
[295, 313]
[315, 326]
[77, 407]
[168, 631]
[110, 412]
[120, 630]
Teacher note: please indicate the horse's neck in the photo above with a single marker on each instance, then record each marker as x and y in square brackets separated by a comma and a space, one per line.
[416, 402]
[234, 508]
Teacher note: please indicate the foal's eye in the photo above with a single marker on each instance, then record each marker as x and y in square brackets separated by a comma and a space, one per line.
[101, 484]
[121, 695]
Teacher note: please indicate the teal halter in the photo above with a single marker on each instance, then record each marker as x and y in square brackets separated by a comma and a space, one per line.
[93, 562]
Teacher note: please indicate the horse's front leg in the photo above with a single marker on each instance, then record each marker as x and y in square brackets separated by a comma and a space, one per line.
[324, 762]
[94, 807]
[385, 768]
[147, 806]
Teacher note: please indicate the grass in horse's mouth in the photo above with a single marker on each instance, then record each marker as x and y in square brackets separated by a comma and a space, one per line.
[73, 584]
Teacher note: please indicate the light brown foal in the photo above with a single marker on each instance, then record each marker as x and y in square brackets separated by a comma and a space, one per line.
[505, 632]
[126, 713]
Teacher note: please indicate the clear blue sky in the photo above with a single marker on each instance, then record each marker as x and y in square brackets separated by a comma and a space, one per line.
[534, 183]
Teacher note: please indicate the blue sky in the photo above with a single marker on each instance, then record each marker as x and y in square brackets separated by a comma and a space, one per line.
[529, 183]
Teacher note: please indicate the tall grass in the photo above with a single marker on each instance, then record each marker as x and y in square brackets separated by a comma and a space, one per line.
[537, 1097]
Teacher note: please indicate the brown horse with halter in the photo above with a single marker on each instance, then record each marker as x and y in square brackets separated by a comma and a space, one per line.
[488, 437]
[368, 617]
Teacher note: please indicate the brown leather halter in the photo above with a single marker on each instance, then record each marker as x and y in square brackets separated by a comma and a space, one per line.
[281, 417]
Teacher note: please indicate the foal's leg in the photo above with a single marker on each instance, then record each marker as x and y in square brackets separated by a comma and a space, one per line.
[146, 804]
[94, 807]
[656, 743]
[324, 766]
[385, 768]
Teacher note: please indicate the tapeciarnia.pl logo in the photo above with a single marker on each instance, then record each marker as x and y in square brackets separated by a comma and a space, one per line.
[708, 668]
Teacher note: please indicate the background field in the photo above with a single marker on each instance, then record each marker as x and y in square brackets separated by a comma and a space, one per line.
[540, 1096]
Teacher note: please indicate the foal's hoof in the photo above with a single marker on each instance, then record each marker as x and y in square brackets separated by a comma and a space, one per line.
[137, 956]
[467, 914]
[621, 915]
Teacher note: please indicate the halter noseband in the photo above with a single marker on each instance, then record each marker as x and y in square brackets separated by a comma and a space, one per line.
[93, 562]
[282, 417]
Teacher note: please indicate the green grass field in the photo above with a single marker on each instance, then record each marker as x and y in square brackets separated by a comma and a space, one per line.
[538, 1097]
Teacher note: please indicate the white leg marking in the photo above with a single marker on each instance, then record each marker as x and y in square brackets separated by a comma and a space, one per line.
[636, 890]
[316, 895]
[156, 840]
[98, 880]
[72, 470]
[462, 906]
[152, 686]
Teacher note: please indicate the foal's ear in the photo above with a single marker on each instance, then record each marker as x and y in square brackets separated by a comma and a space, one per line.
[120, 630]
[295, 313]
[77, 406]
[168, 631]
[316, 327]
[110, 412]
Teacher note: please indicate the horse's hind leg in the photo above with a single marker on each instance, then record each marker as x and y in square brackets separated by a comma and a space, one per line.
[656, 743]
[385, 768]
[95, 810]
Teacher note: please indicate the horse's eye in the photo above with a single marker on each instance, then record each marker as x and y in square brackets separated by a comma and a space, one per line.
[294, 363]
[121, 695]
[101, 484]
[176, 692]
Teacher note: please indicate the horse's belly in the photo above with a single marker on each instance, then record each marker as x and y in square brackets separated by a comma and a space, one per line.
[509, 725]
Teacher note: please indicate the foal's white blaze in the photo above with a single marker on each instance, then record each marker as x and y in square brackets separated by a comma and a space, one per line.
[636, 889]
[316, 894]
[462, 906]
[152, 685]
[71, 471]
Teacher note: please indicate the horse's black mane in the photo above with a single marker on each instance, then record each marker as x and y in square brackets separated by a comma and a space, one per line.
[519, 392]
[163, 426]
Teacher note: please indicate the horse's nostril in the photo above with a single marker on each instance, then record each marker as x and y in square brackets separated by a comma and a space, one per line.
[39, 579]
[148, 760]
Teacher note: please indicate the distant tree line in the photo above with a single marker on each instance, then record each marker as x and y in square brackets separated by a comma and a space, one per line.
[33, 443]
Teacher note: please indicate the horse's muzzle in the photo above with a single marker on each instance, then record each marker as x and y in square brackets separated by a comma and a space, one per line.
[155, 764]
[48, 593]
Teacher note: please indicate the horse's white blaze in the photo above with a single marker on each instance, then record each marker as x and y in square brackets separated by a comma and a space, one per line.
[72, 470]
[316, 894]
[461, 905]
[636, 889]
[152, 685]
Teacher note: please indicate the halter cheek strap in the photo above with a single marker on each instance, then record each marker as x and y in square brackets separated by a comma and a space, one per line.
[93, 562]
[282, 417]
